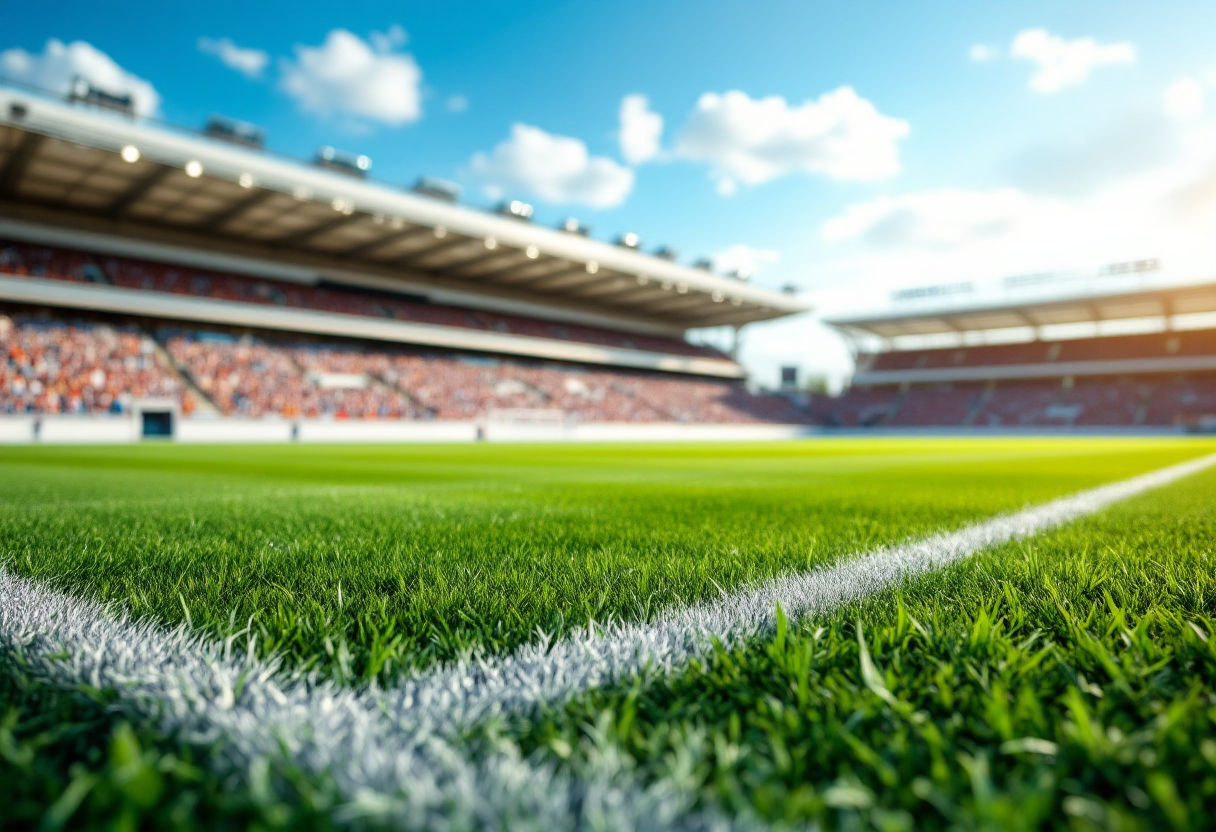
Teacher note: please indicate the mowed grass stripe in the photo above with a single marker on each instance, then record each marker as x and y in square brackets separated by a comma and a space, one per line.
[1061, 682]
[364, 563]
[390, 753]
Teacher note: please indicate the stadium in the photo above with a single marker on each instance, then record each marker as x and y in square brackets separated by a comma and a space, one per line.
[1121, 348]
[226, 286]
[335, 502]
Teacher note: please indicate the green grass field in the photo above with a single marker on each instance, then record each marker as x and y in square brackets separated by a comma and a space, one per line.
[1067, 681]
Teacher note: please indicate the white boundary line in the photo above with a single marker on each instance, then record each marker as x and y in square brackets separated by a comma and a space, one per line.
[391, 753]
[464, 693]
[202, 692]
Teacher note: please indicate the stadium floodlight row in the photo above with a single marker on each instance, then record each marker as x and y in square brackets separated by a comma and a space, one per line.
[78, 168]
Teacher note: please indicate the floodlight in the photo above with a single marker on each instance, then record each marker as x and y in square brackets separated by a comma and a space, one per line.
[194, 168]
[516, 208]
[130, 153]
[235, 132]
[629, 240]
[437, 189]
[533, 252]
[491, 243]
[440, 232]
[80, 90]
[245, 180]
[592, 267]
[343, 162]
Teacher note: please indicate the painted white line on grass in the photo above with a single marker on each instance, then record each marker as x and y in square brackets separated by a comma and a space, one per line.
[201, 692]
[392, 752]
[451, 698]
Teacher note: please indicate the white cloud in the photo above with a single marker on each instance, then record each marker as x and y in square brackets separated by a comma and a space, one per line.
[1165, 212]
[981, 53]
[931, 219]
[458, 104]
[248, 62]
[1077, 165]
[1066, 63]
[746, 259]
[347, 75]
[751, 141]
[59, 63]
[641, 130]
[1184, 99]
[394, 38]
[556, 169]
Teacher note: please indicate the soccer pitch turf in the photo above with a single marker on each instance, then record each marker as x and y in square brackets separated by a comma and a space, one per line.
[1061, 679]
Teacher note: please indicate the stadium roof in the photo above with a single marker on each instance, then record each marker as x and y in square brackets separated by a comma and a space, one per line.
[1070, 303]
[79, 165]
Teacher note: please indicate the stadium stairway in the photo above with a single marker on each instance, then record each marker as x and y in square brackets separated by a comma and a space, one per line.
[100, 273]
[389, 387]
[897, 405]
[1141, 415]
[980, 404]
[204, 405]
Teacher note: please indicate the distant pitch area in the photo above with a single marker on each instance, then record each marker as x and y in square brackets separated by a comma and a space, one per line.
[846, 634]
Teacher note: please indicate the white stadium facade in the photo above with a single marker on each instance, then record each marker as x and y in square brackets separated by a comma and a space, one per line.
[161, 281]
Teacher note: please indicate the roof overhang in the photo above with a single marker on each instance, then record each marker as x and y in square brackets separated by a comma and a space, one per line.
[1095, 308]
[65, 161]
[1004, 372]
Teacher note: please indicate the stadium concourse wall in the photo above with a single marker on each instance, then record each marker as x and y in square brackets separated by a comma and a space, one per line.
[64, 429]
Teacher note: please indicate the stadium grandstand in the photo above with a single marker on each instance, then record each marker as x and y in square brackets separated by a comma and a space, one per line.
[1123, 347]
[168, 276]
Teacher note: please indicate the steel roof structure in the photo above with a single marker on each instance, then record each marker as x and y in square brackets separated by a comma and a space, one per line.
[79, 167]
[1164, 302]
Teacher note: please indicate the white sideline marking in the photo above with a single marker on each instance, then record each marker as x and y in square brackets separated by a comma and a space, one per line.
[200, 691]
[464, 693]
[389, 752]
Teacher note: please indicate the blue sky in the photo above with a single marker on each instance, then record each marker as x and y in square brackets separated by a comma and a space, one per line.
[968, 124]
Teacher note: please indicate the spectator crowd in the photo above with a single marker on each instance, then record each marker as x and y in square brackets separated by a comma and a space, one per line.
[61, 365]
[52, 366]
[260, 376]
